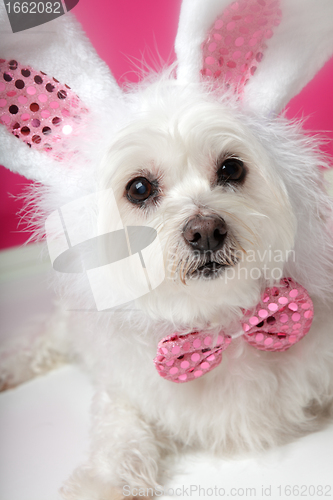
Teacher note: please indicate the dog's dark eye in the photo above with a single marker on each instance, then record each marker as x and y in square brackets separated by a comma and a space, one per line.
[231, 170]
[139, 189]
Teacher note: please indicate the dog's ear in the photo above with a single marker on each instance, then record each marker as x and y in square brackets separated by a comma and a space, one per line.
[267, 50]
[57, 99]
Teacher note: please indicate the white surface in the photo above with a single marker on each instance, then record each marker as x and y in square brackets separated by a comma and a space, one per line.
[43, 434]
[44, 425]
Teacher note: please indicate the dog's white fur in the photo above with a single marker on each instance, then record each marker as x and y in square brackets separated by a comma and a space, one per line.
[253, 399]
[176, 132]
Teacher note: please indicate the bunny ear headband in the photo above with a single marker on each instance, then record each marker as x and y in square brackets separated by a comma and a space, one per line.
[59, 103]
[60, 106]
[270, 49]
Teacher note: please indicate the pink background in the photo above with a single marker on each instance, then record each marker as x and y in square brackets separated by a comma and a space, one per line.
[125, 31]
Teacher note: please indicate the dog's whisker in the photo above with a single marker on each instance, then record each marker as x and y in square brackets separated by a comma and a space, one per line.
[181, 273]
[240, 222]
[239, 246]
[186, 268]
[174, 269]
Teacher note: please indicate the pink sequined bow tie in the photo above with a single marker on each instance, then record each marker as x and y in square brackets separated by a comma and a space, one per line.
[282, 318]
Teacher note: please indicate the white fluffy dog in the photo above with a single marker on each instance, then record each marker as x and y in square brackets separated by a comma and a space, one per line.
[236, 197]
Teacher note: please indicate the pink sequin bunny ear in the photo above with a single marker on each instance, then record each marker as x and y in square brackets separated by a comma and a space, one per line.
[266, 49]
[57, 99]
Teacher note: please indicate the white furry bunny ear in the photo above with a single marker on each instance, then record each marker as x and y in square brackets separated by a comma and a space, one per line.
[267, 49]
[55, 97]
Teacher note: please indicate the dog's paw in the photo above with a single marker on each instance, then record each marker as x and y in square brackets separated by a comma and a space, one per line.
[29, 357]
[85, 485]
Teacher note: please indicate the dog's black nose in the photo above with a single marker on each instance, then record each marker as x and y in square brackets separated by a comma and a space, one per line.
[205, 233]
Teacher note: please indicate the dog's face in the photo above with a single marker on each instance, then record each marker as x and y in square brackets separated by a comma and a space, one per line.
[191, 168]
